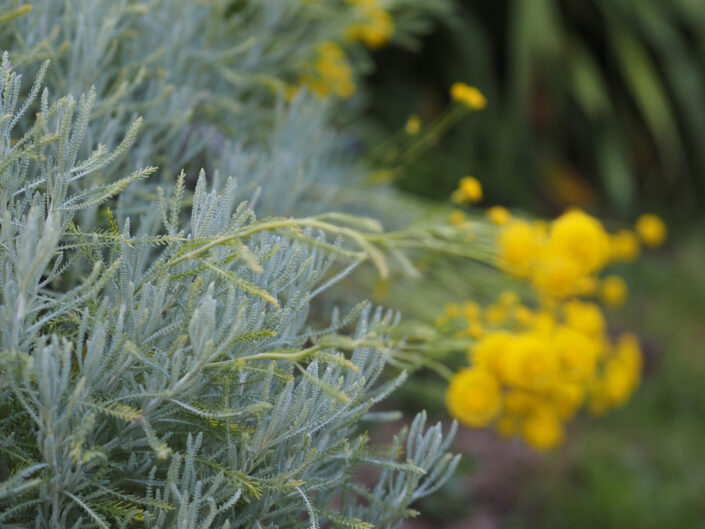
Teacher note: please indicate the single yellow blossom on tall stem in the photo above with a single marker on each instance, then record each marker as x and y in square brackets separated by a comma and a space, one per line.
[469, 96]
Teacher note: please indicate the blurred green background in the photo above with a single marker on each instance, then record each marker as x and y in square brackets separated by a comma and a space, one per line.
[594, 103]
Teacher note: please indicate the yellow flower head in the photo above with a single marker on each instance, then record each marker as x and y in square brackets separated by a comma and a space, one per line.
[528, 363]
[376, 25]
[613, 291]
[517, 246]
[585, 317]
[413, 125]
[469, 96]
[581, 238]
[498, 215]
[543, 431]
[576, 354]
[651, 230]
[487, 354]
[556, 275]
[333, 73]
[473, 397]
[469, 191]
[624, 246]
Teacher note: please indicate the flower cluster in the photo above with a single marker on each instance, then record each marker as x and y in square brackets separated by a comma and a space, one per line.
[375, 25]
[563, 259]
[333, 73]
[532, 370]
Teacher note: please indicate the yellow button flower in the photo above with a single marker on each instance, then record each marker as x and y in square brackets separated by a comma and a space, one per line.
[469, 191]
[613, 291]
[456, 217]
[581, 238]
[473, 397]
[543, 431]
[469, 96]
[517, 247]
[498, 215]
[651, 230]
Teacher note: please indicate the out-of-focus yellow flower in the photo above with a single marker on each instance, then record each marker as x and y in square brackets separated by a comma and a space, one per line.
[613, 291]
[375, 27]
[469, 96]
[413, 125]
[651, 230]
[498, 215]
[581, 238]
[585, 317]
[469, 191]
[543, 431]
[556, 275]
[333, 73]
[517, 247]
[473, 397]
[528, 363]
[576, 354]
[456, 217]
[624, 246]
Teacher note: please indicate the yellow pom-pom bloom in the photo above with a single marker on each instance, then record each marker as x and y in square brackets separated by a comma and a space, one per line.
[624, 246]
[576, 354]
[651, 230]
[333, 73]
[613, 291]
[488, 352]
[556, 275]
[517, 246]
[585, 317]
[528, 363]
[543, 431]
[469, 191]
[498, 215]
[581, 238]
[473, 397]
[469, 96]
[376, 25]
[413, 125]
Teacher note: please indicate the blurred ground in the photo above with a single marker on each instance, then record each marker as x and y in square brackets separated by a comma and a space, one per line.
[640, 467]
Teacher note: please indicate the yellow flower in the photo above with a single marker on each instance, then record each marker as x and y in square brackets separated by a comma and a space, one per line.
[456, 217]
[528, 363]
[556, 275]
[473, 397]
[498, 215]
[565, 398]
[613, 291]
[576, 354]
[651, 230]
[413, 125]
[488, 351]
[581, 238]
[375, 27]
[508, 299]
[543, 431]
[469, 191]
[585, 317]
[517, 246]
[469, 96]
[333, 73]
[471, 311]
[624, 246]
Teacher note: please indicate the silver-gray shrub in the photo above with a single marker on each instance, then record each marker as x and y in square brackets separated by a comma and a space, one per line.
[157, 365]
